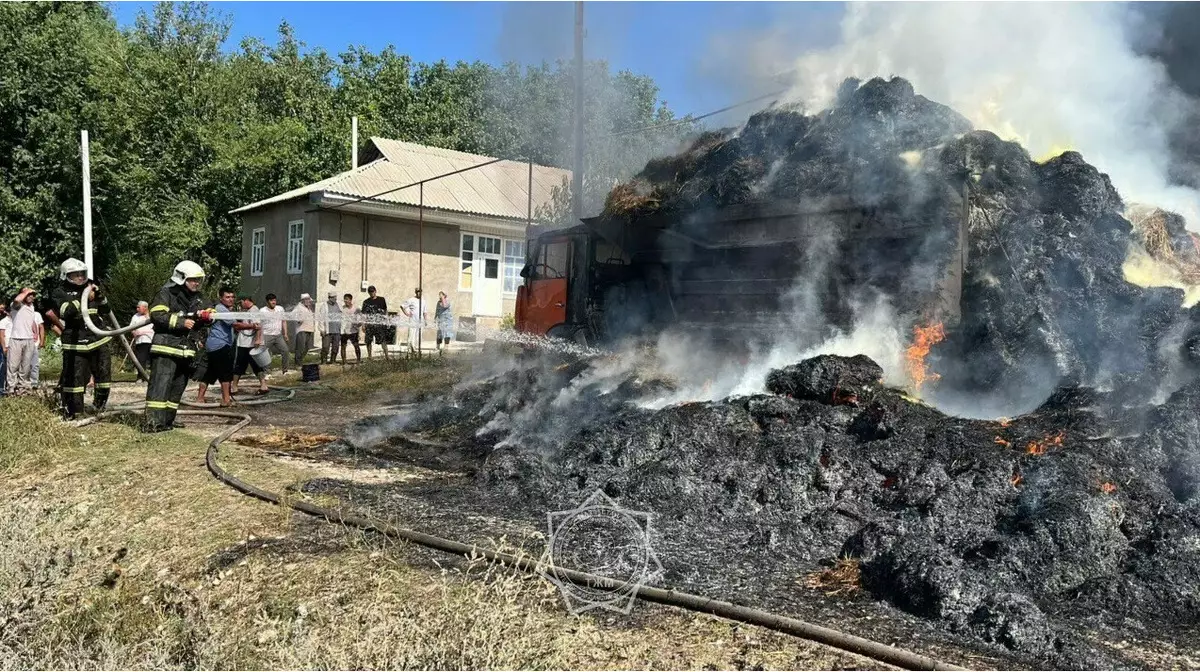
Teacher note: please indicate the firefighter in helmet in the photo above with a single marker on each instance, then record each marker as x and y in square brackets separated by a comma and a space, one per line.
[85, 355]
[176, 315]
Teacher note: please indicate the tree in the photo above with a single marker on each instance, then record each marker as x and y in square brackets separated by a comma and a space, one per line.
[183, 131]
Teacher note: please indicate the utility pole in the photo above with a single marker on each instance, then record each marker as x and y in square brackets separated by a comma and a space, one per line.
[87, 205]
[577, 171]
[353, 142]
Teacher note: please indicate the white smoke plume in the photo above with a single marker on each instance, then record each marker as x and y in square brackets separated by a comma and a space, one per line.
[1053, 76]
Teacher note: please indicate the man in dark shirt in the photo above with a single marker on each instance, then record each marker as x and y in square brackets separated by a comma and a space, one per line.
[377, 332]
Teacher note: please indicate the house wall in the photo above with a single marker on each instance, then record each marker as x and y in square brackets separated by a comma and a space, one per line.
[275, 278]
[386, 252]
[344, 249]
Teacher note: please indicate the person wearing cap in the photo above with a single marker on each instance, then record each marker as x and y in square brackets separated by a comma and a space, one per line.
[330, 318]
[375, 332]
[304, 329]
[414, 310]
[23, 339]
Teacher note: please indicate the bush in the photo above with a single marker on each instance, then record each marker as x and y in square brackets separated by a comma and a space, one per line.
[134, 279]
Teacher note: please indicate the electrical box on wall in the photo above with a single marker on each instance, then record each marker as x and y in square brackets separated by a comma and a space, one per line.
[333, 277]
[365, 284]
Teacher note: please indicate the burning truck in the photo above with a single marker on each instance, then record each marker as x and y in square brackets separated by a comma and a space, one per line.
[1011, 283]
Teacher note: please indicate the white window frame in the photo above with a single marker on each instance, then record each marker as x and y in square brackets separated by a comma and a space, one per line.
[463, 259]
[295, 247]
[258, 251]
[506, 265]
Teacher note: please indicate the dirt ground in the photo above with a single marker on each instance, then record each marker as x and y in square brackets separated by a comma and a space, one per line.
[121, 551]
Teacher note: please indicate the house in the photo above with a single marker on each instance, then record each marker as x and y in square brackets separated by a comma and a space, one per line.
[360, 228]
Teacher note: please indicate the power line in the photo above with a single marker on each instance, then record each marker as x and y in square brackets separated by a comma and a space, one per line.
[629, 131]
[688, 119]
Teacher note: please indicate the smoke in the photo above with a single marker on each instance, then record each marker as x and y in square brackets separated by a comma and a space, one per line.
[1052, 76]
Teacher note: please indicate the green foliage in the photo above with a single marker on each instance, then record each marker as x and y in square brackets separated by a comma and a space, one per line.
[132, 279]
[183, 130]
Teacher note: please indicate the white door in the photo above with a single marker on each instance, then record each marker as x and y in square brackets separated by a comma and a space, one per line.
[486, 298]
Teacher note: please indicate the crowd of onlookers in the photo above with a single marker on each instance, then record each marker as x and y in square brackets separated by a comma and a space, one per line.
[233, 347]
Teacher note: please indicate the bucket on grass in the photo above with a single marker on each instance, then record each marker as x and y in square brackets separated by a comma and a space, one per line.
[310, 373]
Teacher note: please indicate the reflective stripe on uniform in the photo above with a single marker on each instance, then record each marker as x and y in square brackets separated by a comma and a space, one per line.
[86, 347]
[174, 352]
[160, 308]
[103, 386]
[171, 322]
[162, 404]
[74, 389]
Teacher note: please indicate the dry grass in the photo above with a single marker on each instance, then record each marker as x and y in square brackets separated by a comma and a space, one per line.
[843, 578]
[118, 550]
[431, 373]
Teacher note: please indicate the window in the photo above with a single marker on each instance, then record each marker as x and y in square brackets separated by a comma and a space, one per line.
[295, 247]
[465, 275]
[258, 250]
[489, 245]
[514, 260]
[491, 268]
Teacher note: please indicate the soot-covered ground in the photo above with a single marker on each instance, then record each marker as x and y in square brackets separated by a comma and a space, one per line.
[1009, 533]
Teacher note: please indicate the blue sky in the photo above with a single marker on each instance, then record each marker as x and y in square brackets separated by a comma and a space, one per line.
[693, 50]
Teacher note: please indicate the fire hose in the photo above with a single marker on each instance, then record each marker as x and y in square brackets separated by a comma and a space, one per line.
[785, 624]
[839, 640]
[136, 324]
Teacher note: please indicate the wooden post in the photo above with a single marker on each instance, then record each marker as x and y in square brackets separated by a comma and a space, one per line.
[420, 265]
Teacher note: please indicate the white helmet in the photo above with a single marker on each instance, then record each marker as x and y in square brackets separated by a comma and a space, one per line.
[70, 266]
[185, 270]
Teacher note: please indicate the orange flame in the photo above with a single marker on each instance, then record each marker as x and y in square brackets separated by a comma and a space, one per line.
[1004, 422]
[924, 338]
[1001, 442]
[1108, 488]
[1015, 480]
[1039, 447]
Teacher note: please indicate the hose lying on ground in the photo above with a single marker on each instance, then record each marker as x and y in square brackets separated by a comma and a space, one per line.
[839, 640]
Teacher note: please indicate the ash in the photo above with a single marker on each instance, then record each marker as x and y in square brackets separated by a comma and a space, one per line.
[1008, 533]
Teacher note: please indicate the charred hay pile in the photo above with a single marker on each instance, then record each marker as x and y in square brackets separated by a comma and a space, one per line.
[997, 529]
[1043, 298]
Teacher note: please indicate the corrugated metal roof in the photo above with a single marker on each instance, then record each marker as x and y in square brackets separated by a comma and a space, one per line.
[496, 190]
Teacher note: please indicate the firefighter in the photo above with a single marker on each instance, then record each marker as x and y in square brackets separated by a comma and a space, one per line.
[85, 355]
[176, 315]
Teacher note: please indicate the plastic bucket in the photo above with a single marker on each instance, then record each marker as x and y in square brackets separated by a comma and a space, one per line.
[261, 356]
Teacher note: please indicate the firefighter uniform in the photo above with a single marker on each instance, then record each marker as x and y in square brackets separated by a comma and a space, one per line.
[172, 353]
[85, 355]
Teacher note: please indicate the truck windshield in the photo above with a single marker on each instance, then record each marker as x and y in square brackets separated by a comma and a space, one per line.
[552, 260]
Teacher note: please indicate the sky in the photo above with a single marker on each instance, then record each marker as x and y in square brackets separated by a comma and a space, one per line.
[693, 50]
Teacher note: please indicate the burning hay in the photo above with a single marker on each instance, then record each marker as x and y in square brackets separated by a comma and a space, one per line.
[1003, 531]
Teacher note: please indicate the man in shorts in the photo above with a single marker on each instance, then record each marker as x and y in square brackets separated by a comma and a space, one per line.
[249, 336]
[217, 366]
[375, 332]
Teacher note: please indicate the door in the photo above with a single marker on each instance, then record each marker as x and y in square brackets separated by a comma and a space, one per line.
[486, 294]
